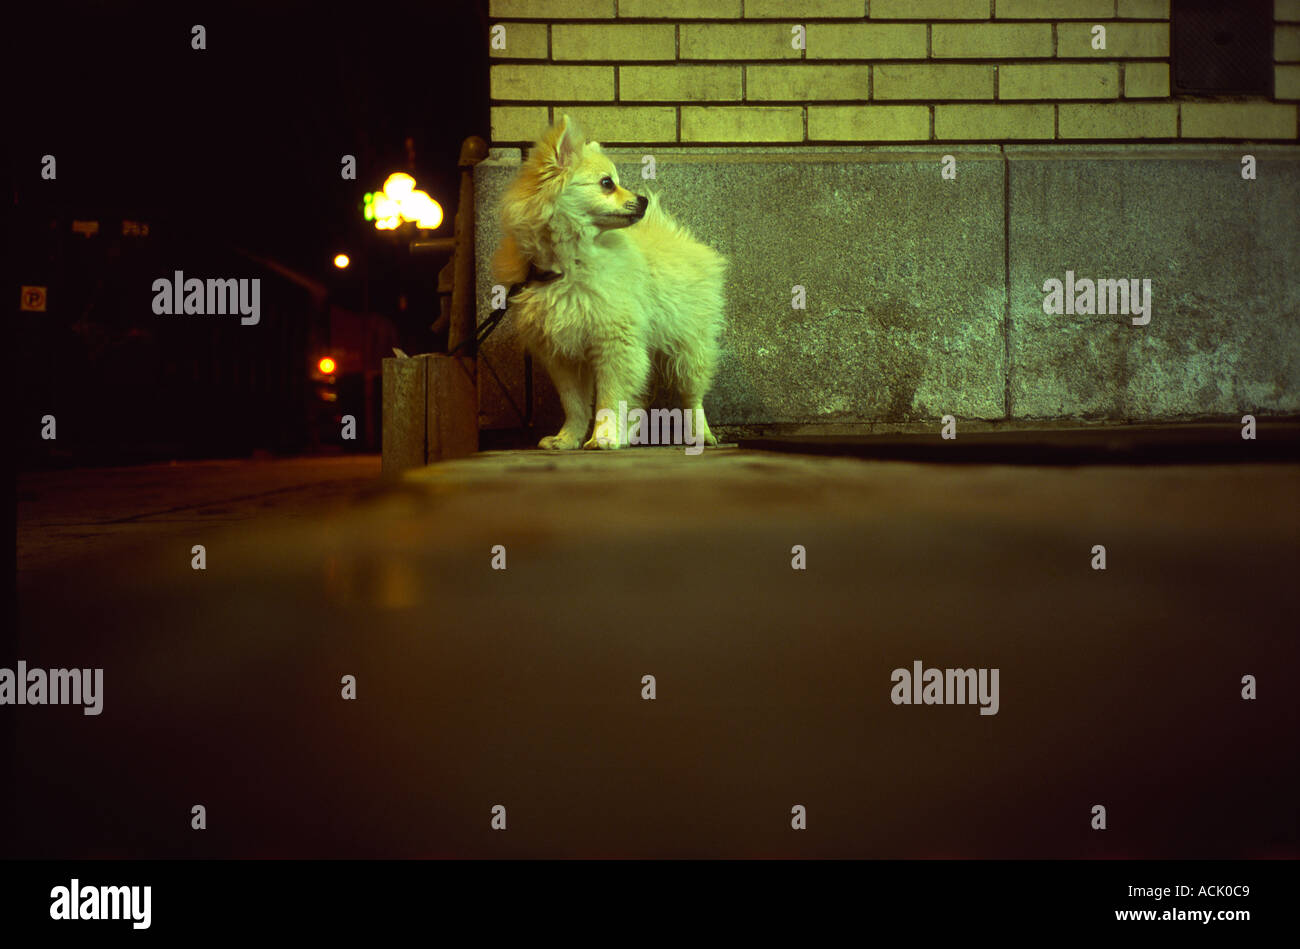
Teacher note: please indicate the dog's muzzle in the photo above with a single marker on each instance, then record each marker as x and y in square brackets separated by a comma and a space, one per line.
[638, 207]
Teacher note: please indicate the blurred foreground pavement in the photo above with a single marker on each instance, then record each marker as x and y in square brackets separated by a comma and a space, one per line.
[522, 687]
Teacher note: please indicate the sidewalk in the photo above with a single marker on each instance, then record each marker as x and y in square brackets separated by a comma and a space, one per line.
[523, 686]
[66, 515]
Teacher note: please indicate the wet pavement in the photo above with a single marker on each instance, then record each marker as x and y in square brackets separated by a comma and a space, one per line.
[522, 687]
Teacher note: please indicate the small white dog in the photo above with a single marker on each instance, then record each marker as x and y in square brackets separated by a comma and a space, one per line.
[614, 288]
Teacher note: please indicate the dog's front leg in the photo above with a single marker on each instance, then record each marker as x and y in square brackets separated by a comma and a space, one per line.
[573, 381]
[621, 376]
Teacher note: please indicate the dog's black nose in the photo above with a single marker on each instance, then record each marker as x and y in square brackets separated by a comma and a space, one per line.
[642, 203]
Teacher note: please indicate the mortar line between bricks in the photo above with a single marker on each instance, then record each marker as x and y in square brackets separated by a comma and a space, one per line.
[775, 103]
[1006, 283]
[830, 21]
[1165, 149]
[840, 61]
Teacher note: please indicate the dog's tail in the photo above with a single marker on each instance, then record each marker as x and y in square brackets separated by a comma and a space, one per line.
[656, 216]
[509, 265]
[707, 258]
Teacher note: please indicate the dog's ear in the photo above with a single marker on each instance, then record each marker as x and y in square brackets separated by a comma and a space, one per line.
[564, 142]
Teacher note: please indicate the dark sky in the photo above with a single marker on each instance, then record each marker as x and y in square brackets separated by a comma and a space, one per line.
[241, 142]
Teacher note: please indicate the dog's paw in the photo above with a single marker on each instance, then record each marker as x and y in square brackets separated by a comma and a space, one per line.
[560, 441]
[604, 435]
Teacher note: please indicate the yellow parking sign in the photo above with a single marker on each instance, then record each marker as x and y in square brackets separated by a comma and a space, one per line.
[34, 299]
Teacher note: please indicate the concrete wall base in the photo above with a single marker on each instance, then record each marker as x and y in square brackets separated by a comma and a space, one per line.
[925, 295]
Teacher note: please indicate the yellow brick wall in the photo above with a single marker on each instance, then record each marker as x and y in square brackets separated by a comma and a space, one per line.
[719, 72]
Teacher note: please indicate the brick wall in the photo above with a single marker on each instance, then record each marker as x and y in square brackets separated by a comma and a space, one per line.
[723, 72]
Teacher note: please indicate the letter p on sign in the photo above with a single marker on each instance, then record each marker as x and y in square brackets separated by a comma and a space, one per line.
[33, 300]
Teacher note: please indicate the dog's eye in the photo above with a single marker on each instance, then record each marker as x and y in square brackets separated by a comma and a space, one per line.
[607, 183]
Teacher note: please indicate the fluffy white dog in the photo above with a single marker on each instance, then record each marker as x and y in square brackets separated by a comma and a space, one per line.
[614, 288]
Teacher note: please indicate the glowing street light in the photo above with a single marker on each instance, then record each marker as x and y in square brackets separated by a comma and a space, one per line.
[399, 185]
[401, 202]
[422, 209]
[327, 366]
[341, 261]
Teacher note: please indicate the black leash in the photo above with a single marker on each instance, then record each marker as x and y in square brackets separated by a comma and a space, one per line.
[486, 328]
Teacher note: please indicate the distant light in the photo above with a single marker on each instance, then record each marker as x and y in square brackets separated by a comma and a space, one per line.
[341, 261]
[327, 366]
[399, 185]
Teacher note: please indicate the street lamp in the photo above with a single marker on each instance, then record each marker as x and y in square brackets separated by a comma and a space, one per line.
[400, 203]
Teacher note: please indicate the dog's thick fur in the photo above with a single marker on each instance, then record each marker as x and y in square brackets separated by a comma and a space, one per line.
[635, 290]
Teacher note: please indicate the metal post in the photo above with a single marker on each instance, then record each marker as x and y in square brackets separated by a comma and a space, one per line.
[463, 318]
